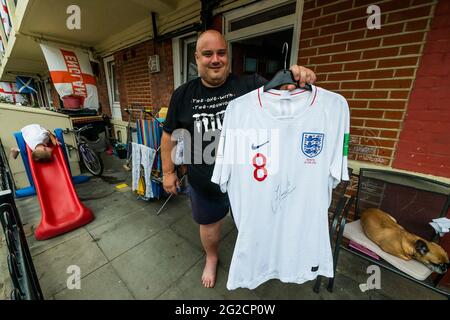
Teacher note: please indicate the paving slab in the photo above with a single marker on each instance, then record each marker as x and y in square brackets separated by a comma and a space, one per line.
[120, 235]
[150, 268]
[102, 284]
[51, 265]
[110, 208]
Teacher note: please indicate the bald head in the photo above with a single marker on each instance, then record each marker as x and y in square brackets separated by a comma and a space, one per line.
[207, 36]
[211, 57]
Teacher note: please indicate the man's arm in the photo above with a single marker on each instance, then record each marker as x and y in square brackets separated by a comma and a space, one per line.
[170, 179]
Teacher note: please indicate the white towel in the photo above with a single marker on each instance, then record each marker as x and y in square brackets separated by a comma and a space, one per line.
[441, 225]
[135, 162]
[145, 156]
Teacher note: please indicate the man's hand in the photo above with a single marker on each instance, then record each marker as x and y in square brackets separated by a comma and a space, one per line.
[171, 183]
[302, 75]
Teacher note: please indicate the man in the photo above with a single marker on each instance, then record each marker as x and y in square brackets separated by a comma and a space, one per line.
[198, 107]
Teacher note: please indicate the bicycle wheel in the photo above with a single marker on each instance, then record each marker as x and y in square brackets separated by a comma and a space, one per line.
[91, 160]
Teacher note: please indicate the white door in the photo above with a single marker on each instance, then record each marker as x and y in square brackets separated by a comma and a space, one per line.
[113, 88]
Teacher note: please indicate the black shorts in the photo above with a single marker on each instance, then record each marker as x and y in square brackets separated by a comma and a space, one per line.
[208, 210]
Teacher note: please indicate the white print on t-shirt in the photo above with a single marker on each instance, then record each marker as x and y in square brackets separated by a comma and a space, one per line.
[209, 121]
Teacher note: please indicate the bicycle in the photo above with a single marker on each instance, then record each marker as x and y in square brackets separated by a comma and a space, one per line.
[90, 159]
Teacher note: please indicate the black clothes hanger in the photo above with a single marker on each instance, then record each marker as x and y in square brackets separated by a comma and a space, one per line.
[284, 76]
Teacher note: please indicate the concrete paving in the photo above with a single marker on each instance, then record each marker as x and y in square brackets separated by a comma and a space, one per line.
[128, 252]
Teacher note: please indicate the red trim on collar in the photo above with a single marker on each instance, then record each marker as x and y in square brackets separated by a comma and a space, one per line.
[314, 99]
[259, 98]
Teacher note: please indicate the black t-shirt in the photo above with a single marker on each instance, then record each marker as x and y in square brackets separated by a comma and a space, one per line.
[200, 110]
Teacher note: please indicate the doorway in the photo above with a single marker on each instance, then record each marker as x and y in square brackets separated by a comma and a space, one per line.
[261, 54]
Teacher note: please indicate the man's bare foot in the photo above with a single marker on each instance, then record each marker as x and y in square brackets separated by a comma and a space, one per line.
[209, 272]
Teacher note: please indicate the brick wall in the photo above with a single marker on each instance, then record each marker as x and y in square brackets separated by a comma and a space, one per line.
[424, 143]
[137, 85]
[373, 69]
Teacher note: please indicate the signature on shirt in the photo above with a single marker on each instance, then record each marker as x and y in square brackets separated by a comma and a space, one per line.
[280, 194]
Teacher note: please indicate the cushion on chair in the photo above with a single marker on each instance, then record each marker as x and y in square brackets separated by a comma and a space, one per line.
[353, 231]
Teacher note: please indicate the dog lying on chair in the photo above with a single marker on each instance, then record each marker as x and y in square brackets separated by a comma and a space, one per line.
[392, 238]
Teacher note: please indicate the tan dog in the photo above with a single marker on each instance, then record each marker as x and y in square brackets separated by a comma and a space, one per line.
[384, 230]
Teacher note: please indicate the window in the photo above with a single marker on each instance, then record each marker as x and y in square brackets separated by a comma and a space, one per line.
[189, 66]
[184, 65]
[115, 97]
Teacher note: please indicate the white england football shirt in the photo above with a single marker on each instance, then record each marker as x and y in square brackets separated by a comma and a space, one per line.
[279, 156]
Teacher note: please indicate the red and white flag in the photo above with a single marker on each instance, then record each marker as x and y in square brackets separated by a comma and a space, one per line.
[71, 74]
[5, 18]
[9, 91]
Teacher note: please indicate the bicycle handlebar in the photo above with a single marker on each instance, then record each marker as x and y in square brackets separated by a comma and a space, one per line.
[77, 130]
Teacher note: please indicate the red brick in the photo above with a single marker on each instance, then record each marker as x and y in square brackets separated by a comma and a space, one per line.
[409, 14]
[364, 44]
[399, 94]
[385, 30]
[387, 104]
[377, 142]
[393, 115]
[412, 49]
[323, 21]
[404, 39]
[357, 104]
[356, 85]
[389, 134]
[408, 72]
[307, 52]
[356, 123]
[329, 67]
[378, 53]
[351, 14]
[337, 7]
[342, 76]
[335, 28]
[359, 24]
[365, 132]
[363, 65]
[348, 56]
[319, 59]
[319, 41]
[307, 24]
[383, 124]
[332, 48]
[353, 35]
[345, 94]
[330, 85]
[416, 25]
[312, 14]
[403, 83]
[304, 43]
[393, 5]
[387, 153]
[371, 94]
[375, 74]
[302, 61]
[310, 33]
[399, 62]
[366, 114]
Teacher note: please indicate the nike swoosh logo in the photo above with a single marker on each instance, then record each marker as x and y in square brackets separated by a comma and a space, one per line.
[257, 147]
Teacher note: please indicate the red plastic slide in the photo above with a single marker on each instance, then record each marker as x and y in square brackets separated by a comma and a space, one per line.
[62, 211]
